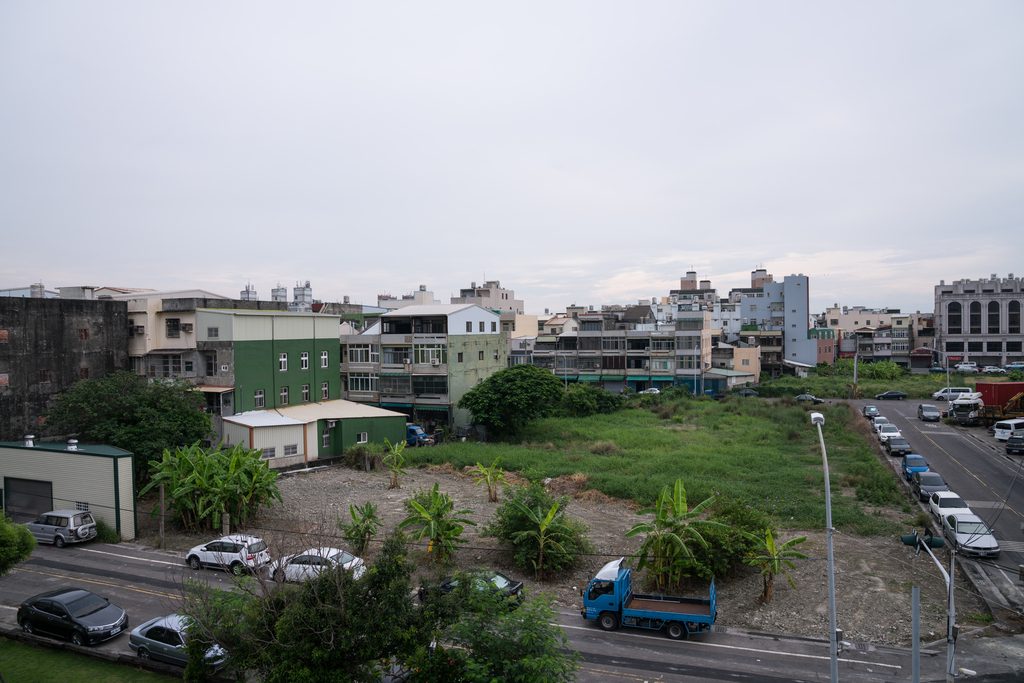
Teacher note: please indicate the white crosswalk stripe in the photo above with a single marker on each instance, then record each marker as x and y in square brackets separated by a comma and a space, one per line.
[1012, 546]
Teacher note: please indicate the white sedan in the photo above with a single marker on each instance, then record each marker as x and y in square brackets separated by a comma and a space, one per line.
[969, 535]
[943, 503]
[310, 563]
[885, 432]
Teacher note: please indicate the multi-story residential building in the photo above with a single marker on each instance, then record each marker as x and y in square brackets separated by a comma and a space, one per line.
[882, 343]
[557, 325]
[48, 344]
[516, 325]
[979, 320]
[902, 339]
[758, 279]
[490, 296]
[640, 357]
[736, 364]
[846, 319]
[255, 360]
[693, 292]
[784, 307]
[420, 360]
[826, 341]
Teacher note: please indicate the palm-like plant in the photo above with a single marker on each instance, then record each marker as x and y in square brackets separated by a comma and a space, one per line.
[364, 526]
[772, 560]
[394, 461]
[438, 522]
[670, 534]
[546, 530]
[491, 476]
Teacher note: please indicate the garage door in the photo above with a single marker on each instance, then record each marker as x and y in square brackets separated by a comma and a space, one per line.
[26, 499]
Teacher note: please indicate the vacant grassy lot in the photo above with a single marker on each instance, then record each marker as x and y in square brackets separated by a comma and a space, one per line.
[765, 453]
[20, 663]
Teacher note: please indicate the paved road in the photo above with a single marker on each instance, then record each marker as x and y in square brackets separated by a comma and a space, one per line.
[147, 584]
[976, 467]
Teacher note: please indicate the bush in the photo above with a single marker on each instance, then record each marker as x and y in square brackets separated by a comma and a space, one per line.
[727, 548]
[509, 520]
[359, 455]
[106, 533]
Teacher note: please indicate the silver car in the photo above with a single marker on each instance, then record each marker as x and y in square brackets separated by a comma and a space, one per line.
[61, 527]
[310, 563]
[163, 639]
[969, 535]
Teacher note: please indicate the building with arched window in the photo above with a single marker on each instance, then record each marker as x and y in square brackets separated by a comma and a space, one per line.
[980, 320]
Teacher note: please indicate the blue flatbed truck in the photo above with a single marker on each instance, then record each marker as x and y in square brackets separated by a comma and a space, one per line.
[611, 601]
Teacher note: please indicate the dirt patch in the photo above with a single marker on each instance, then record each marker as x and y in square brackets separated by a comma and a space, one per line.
[873, 575]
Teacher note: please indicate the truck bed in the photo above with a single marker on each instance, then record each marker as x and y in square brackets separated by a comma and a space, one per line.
[695, 606]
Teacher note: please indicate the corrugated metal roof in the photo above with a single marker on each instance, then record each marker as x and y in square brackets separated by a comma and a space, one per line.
[261, 418]
[334, 410]
[207, 389]
[723, 372]
[428, 310]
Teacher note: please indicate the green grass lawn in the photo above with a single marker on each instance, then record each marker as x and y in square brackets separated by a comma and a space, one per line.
[20, 663]
[763, 453]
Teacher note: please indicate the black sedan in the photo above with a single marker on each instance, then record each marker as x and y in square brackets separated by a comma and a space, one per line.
[810, 398]
[891, 396]
[78, 615]
[1015, 444]
[745, 392]
[897, 445]
[493, 582]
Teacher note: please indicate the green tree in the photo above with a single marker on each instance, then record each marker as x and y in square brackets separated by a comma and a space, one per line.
[666, 547]
[508, 399]
[131, 412]
[16, 544]
[327, 629]
[364, 526]
[773, 560]
[394, 461]
[491, 476]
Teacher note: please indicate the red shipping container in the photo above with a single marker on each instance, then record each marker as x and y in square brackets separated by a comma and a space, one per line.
[999, 393]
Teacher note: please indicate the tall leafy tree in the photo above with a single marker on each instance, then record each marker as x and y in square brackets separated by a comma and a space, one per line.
[131, 412]
[508, 399]
[16, 544]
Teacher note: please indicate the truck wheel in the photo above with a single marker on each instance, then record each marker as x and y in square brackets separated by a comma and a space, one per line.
[675, 630]
[608, 621]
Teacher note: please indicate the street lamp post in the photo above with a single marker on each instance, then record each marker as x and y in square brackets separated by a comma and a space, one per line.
[817, 419]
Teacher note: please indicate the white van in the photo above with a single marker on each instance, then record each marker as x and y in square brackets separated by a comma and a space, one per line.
[1007, 428]
[967, 366]
[949, 393]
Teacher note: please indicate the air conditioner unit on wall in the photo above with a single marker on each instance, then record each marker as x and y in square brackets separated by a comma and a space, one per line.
[435, 361]
[186, 327]
[140, 329]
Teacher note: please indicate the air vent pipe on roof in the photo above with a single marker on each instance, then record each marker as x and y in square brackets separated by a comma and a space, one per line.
[30, 441]
[72, 444]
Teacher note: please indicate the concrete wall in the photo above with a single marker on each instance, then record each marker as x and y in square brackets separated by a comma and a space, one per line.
[42, 354]
[463, 376]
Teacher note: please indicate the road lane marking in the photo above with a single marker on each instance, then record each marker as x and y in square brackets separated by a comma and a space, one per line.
[108, 584]
[976, 477]
[744, 649]
[9, 607]
[130, 557]
[1012, 546]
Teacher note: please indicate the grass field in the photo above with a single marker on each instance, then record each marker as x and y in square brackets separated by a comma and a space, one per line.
[764, 453]
[920, 386]
[20, 663]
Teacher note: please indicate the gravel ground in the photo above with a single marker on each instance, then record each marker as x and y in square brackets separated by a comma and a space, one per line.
[873, 575]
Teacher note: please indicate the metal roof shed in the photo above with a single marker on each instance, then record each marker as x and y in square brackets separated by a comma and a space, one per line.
[42, 476]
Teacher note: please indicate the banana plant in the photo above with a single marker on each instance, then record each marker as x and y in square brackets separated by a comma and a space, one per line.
[546, 531]
[394, 461]
[666, 547]
[773, 560]
[492, 476]
[439, 523]
[363, 528]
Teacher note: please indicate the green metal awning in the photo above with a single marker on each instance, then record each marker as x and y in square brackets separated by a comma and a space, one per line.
[397, 405]
[590, 378]
[641, 378]
[439, 408]
[617, 378]
[395, 374]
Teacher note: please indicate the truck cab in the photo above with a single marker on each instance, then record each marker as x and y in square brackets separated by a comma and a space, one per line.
[415, 436]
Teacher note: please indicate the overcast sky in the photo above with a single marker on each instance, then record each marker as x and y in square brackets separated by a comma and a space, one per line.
[585, 153]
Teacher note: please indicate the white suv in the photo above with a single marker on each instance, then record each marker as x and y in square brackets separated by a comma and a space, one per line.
[237, 552]
[967, 366]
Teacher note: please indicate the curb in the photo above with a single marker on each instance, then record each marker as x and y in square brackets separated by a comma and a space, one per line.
[121, 658]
